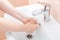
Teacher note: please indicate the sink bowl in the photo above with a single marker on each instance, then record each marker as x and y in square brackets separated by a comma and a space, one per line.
[48, 30]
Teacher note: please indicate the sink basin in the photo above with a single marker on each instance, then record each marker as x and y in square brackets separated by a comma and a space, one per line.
[48, 30]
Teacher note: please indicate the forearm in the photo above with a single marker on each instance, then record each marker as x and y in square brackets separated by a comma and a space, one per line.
[9, 9]
[9, 26]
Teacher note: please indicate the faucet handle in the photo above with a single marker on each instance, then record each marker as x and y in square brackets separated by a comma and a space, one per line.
[46, 14]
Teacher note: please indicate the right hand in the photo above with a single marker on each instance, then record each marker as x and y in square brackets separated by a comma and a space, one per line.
[30, 27]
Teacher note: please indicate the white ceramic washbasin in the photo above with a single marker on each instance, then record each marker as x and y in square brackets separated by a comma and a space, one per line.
[48, 30]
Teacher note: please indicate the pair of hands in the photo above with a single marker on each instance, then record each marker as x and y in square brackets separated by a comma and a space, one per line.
[30, 25]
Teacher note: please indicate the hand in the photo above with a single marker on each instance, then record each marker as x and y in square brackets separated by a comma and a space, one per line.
[30, 27]
[26, 20]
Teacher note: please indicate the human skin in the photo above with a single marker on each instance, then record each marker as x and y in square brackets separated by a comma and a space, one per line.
[9, 26]
[2, 33]
[6, 7]
[9, 9]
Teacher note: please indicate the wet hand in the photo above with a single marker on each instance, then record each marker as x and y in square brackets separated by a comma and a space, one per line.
[30, 27]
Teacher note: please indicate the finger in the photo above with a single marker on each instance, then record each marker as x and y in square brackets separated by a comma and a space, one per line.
[34, 21]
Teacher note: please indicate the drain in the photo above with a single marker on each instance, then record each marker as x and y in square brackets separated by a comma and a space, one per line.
[29, 36]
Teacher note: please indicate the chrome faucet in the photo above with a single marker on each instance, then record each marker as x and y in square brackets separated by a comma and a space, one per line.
[44, 11]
